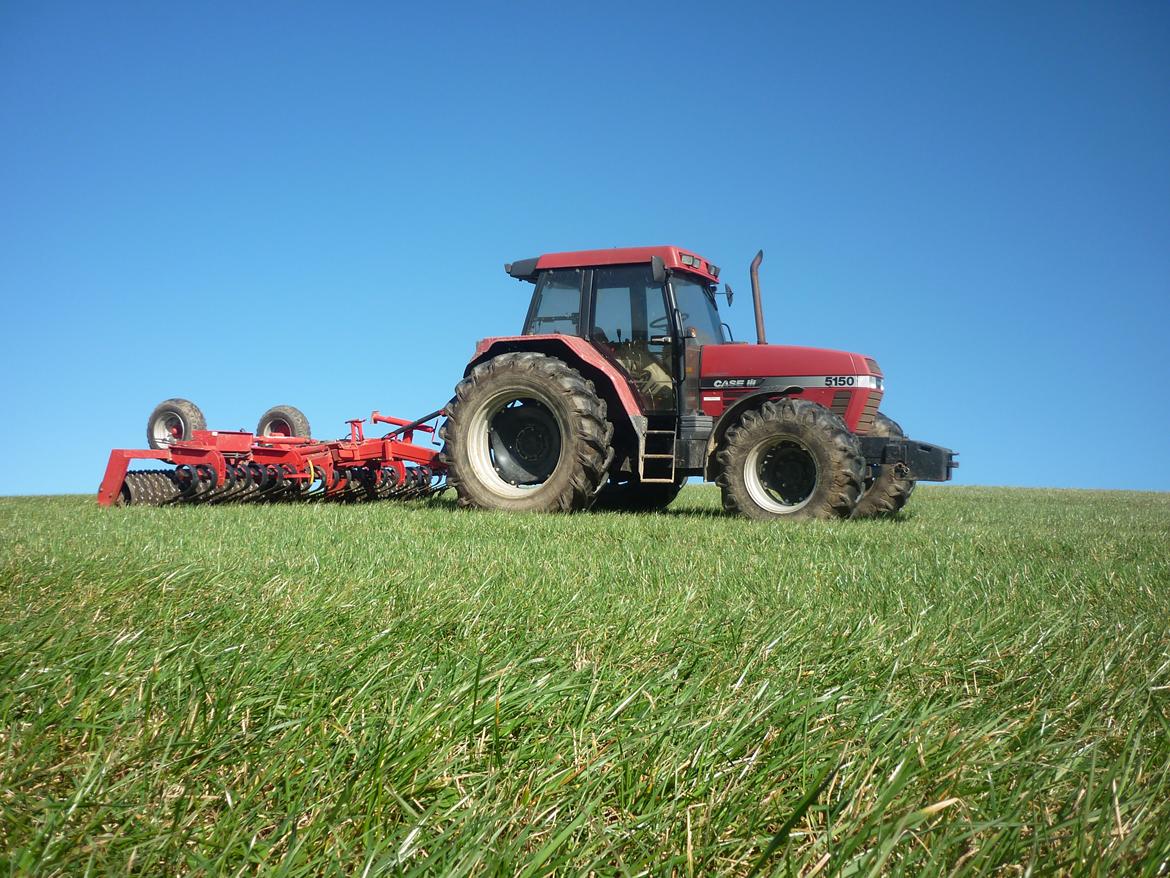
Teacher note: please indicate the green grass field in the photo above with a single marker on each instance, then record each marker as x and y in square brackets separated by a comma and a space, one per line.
[981, 687]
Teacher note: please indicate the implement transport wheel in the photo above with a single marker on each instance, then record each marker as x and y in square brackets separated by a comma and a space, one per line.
[791, 459]
[173, 420]
[283, 420]
[633, 495]
[526, 432]
[886, 493]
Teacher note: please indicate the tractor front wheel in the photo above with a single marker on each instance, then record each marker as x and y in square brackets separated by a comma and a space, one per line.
[526, 432]
[790, 459]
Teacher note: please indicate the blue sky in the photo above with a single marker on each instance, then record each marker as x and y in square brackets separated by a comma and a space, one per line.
[250, 204]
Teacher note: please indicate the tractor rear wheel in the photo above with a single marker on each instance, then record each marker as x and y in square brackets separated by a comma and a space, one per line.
[526, 432]
[791, 459]
[886, 493]
[634, 495]
[173, 420]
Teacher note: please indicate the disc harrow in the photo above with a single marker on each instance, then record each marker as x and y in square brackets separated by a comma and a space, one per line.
[224, 466]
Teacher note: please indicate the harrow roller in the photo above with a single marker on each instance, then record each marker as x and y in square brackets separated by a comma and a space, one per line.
[148, 488]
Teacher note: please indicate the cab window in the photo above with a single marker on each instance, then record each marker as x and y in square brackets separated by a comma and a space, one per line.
[556, 304]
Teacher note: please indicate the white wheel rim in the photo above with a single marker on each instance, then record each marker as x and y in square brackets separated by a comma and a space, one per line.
[479, 449]
[272, 423]
[163, 425]
[761, 479]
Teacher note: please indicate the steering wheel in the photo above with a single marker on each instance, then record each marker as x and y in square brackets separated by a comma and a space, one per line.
[663, 322]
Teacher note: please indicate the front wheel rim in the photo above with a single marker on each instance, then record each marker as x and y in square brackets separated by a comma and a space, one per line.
[781, 475]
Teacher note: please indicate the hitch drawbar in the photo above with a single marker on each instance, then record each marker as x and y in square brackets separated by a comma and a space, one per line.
[926, 462]
[220, 466]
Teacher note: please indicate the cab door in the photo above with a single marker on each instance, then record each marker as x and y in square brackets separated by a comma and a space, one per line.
[630, 320]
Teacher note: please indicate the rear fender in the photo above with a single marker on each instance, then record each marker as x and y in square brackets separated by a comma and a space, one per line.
[622, 406]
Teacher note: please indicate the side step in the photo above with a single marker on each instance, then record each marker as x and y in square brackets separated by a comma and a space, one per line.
[657, 464]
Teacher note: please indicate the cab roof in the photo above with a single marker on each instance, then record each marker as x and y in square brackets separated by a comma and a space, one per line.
[673, 258]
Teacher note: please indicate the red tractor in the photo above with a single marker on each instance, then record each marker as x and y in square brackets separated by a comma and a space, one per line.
[623, 383]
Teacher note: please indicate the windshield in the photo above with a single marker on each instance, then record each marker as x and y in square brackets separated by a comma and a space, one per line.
[695, 301]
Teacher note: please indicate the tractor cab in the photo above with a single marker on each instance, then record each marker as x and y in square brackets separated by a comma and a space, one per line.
[648, 310]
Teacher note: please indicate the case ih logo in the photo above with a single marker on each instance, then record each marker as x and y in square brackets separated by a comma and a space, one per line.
[720, 383]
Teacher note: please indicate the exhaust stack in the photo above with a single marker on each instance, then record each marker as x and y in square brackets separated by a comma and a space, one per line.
[756, 298]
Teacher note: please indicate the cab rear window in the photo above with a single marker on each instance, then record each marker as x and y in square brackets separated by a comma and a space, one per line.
[556, 304]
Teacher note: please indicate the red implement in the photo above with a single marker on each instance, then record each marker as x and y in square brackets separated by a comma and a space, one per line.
[214, 466]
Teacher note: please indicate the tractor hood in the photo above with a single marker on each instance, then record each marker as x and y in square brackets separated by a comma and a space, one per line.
[761, 365]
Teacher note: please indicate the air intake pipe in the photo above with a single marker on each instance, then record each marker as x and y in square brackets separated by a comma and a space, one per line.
[756, 298]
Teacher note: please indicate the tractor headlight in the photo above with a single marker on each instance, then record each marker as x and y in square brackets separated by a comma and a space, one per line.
[873, 382]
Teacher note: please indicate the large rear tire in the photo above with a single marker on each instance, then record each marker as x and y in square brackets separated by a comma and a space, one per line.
[526, 432]
[633, 495]
[790, 459]
[886, 493]
[173, 420]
